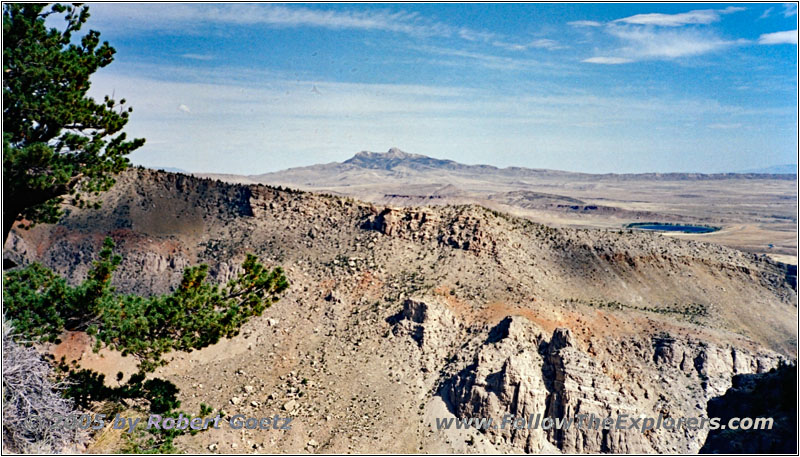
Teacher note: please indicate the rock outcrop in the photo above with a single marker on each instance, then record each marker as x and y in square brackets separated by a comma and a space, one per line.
[770, 395]
[521, 373]
[431, 325]
[506, 377]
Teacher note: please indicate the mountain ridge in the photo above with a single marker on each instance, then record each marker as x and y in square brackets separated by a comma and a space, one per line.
[400, 178]
[786, 168]
[397, 316]
[395, 158]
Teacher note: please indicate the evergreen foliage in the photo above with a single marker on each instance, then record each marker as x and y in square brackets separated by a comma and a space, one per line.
[57, 141]
[197, 314]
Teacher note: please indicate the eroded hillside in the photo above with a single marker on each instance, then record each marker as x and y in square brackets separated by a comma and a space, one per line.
[398, 316]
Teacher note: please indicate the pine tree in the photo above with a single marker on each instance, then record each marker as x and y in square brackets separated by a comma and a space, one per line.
[41, 305]
[57, 141]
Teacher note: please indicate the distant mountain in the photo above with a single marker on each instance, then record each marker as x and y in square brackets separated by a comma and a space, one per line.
[396, 158]
[396, 167]
[789, 168]
[373, 175]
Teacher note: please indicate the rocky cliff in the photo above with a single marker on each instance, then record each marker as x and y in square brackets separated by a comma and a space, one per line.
[517, 369]
[769, 395]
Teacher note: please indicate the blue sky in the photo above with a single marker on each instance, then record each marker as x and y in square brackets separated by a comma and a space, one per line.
[252, 88]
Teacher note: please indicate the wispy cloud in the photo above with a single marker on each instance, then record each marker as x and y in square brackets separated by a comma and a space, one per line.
[787, 37]
[657, 36]
[679, 19]
[789, 9]
[197, 56]
[766, 13]
[720, 126]
[475, 35]
[195, 18]
[607, 60]
[542, 43]
[490, 61]
[584, 23]
[649, 43]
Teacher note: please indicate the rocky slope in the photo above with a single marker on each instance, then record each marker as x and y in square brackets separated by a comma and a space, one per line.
[399, 316]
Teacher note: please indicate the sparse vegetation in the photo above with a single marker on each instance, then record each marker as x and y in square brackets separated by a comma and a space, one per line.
[692, 311]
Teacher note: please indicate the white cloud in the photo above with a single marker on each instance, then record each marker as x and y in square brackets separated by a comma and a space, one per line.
[492, 62]
[787, 37]
[542, 43]
[184, 108]
[766, 13]
[649, 43]
[197, 56]
[262, 125]
[679, 19]
[584, 24]
[789, 9]
[720, 126]
[661, 36]
[474, 35]
[607, 60]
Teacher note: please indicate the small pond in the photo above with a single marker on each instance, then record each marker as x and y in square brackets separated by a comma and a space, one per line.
[668, 227]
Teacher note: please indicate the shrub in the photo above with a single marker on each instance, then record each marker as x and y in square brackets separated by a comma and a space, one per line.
[29, 396]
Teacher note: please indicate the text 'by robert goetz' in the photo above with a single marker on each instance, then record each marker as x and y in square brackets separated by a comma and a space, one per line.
[157, 421]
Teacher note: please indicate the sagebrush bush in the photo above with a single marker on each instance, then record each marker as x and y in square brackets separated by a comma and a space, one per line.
[30, 395]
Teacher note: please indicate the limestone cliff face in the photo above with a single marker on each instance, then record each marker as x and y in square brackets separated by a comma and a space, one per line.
[507, 376]
[765, 395]
[519, 371]
[580, 387]
[432, 326]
